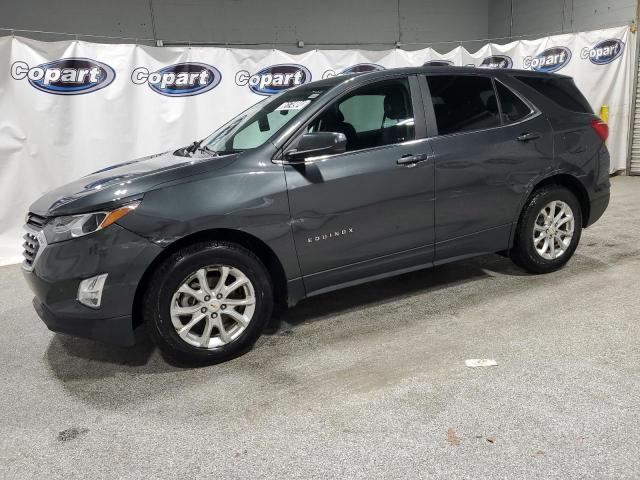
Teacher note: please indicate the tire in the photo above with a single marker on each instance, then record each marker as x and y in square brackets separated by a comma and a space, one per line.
[175, 287]
[524, 252]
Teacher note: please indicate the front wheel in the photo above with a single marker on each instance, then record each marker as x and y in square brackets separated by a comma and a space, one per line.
[549, 230]
[208, 302]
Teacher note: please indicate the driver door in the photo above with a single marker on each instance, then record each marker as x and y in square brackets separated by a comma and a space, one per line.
[370, 210]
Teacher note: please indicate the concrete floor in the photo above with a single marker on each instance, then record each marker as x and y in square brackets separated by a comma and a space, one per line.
[368, 382]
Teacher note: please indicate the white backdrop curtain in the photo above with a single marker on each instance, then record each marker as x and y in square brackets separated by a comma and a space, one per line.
[48, 139]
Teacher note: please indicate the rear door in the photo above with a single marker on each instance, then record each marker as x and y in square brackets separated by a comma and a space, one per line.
[369, 210]
[490, 145]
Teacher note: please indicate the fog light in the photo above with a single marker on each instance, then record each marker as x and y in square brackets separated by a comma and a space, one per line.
[90, 290]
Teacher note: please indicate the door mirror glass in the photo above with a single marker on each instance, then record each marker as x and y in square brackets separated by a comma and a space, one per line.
[317, 144]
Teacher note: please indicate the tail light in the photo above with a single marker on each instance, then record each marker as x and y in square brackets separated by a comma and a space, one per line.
[601, 128]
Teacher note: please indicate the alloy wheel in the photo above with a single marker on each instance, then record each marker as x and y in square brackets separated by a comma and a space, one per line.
[553, 230]
[213, 306]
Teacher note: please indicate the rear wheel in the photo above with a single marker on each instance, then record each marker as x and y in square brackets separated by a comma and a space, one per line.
[208, 303]
[549, 230]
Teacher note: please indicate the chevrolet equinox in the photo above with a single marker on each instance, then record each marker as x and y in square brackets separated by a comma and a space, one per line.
[324, 186]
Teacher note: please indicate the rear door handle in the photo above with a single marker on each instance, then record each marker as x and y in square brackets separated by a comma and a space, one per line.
[411, 160]
[525, 137]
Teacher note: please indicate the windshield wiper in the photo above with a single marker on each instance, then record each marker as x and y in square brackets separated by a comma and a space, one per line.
[197, 146]
[193, 147]
[205, 148]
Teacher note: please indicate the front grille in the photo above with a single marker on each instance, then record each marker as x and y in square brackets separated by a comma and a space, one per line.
[33, 240]
[31, 246]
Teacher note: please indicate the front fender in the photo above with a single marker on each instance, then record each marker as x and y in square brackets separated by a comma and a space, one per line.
[250, 197]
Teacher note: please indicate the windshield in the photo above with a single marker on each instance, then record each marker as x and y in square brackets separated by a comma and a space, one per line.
[255, 126]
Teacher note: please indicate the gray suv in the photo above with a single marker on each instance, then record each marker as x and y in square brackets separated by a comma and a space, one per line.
[324, 186]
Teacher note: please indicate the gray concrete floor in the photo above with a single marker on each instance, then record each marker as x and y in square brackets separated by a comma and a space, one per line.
[368, 382]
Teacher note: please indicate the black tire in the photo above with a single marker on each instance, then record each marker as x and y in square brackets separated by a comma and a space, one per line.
[524, 253]
[172, 273]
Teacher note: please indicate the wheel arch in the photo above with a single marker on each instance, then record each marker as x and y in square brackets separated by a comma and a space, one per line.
[266, 255]
[574, 185]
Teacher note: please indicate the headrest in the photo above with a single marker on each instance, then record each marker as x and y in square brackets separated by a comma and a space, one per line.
[332, 117]
[394, 106]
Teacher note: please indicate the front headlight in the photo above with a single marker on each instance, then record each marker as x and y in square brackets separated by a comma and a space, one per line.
[59, 229]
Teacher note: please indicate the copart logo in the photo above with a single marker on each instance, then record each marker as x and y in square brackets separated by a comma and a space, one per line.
[274, 79]
[438, 63]
[604, 52]
[551, 60]
[497, 61]
[359, 68]
[179, 80]
[67, 76]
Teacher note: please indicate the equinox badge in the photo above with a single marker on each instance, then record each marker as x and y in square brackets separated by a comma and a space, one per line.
[327, 236]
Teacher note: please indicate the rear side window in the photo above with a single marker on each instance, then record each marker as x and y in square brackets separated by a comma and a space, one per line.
[463, 103]
[561, 91]
[513, 109]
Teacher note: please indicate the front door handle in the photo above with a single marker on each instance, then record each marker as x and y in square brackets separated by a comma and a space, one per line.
[411, 160]
[526, 137]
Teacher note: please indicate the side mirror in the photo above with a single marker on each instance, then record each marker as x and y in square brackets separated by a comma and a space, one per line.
[317, 144]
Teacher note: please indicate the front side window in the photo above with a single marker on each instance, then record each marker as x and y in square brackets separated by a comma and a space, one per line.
[513, 109]
[371, 116]
[253, 127]
[463, 103]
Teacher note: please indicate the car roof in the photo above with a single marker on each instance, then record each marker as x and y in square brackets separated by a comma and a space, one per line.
[365, 76]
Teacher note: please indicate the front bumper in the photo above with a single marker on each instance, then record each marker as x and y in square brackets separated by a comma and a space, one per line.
[61, 267]
[116, 331]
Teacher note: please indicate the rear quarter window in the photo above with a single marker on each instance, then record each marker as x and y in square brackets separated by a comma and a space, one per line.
[513, 109]
[561, 91]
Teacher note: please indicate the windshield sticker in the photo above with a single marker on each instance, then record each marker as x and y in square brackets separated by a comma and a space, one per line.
[297, 105]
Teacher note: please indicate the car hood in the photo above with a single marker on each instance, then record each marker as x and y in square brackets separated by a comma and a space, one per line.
[114, 185]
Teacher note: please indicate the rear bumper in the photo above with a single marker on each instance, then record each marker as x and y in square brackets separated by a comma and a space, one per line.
[598, 206]
[60, 268]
